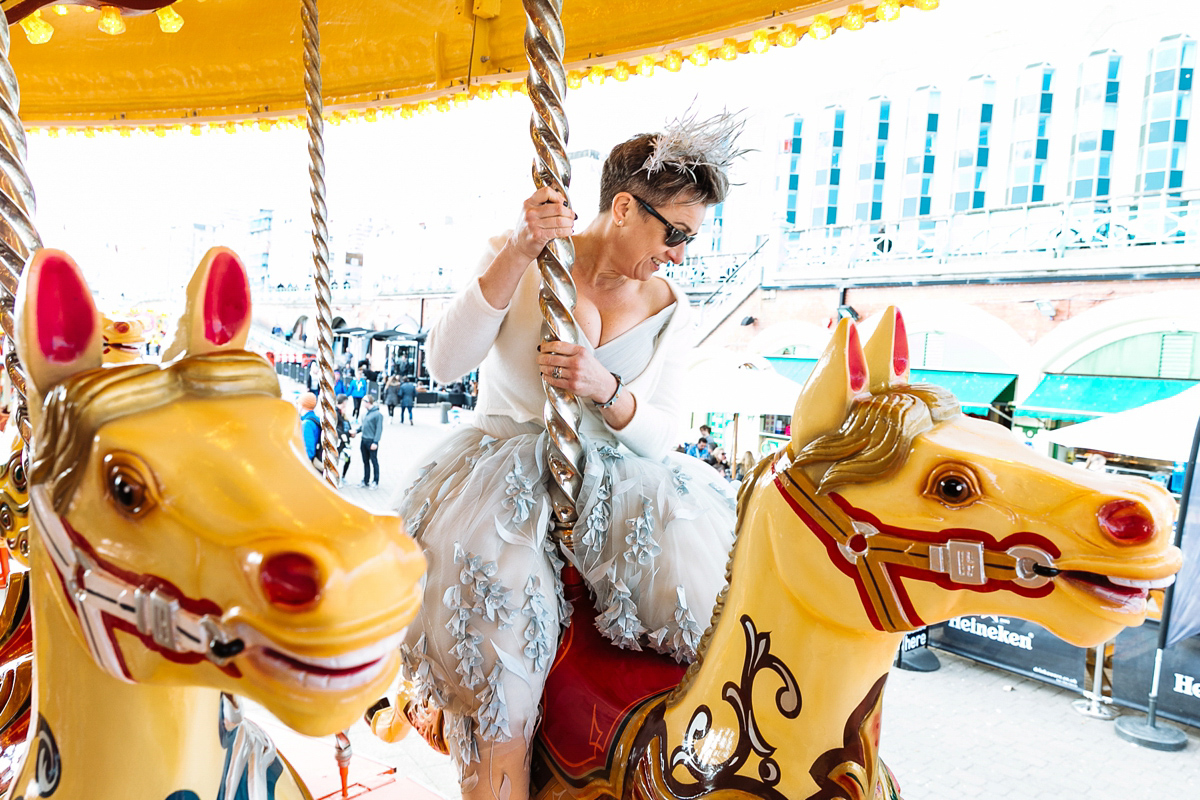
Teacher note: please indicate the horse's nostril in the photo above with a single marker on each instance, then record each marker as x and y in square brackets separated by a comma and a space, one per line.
[1127, 521]
[290, 580]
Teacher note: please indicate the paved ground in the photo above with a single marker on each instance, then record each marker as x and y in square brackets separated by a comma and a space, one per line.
[966, 731]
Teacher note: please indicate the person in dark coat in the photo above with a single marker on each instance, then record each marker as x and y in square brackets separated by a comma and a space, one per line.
[408, 398]
[372, 430]
[391, 396]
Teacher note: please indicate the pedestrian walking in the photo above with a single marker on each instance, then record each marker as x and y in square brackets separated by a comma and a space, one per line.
[358, 390]
[391, 396]
[345, 432]
[371, 430]
[408, 398]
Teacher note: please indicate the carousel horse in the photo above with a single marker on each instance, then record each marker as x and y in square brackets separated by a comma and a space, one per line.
[888, 510]
[182, 551]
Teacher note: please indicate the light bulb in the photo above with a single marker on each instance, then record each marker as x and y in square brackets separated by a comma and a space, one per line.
[621, 72]
[788, 36]
[110, 21]
[700, 55]
[37, 30]
[887, 10]
[854, 17]
[169, 20]
[820, 27]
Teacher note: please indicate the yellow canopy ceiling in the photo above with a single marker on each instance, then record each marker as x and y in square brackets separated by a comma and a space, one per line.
[244, 57]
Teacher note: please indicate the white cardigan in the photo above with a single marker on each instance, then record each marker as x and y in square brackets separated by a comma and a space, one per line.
[503, 344]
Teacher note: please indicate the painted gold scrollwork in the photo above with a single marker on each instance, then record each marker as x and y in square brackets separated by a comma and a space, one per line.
[14, 505]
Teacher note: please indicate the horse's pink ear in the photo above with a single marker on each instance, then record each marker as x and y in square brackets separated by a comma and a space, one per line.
[840, 374]
[59, 331]
[887, 352]
[217, 316]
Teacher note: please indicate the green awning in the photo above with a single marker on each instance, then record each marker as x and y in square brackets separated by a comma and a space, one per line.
[1082, 397]
[976, 391]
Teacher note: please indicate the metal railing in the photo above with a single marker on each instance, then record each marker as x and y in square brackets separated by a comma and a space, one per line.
[1055, 230]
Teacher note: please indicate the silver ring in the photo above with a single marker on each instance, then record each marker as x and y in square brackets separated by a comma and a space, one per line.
[557, 373]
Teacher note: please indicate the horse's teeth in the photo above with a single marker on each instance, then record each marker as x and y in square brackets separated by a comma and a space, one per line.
[1161, 583]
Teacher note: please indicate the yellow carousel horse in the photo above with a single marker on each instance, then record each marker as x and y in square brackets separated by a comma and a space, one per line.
[183, 551]
[888, 510]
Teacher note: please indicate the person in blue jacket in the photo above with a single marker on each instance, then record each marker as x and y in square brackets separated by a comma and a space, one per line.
[311, 423]
[358, 390]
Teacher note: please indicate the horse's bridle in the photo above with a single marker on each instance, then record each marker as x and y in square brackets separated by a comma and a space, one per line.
[99, 597]
[875, 555]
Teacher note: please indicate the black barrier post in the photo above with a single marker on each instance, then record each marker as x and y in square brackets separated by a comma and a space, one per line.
[1148, 734]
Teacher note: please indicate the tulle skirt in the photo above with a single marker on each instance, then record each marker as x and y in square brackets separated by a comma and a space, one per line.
[652, 542]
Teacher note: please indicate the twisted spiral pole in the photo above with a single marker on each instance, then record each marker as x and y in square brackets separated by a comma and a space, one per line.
[547, 84]
[315, 107]
[18, 236]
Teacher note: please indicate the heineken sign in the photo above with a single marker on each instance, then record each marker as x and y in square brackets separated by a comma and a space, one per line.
[1015, 645]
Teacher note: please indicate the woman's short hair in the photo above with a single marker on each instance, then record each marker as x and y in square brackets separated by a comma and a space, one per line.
[625, 171]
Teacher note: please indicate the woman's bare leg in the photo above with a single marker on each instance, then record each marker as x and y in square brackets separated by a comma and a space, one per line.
[502, 772]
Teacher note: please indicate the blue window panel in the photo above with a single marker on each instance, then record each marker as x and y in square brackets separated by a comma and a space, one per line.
[983, 135]
[979, 173]
[1114, 64]
[862, 212]
[1043, 147]
[1043, 124]
[796, 142]
[1047, 104]
[791, 217]
[909, 207]
[833, 197]
[864, 171]
[977, 202]
[912, 165]
[885, 110]
[1177, 157]
[880, 149]
[1106, 140]
[927, 165]
[1037, 172]
[1185, 79]
[880, 168]
[876, 211]
[883, 131]
[985, 113]
[835, 177]
[1158, 131]
[796, 126]
[925, 186]
[1083, 189]
[795, 162]
[818, 217]
[793, 182]
[931, 123]
[1181, 126]
[822, 177]
[1086, 142]
[982, 157]
[839, 119]
[837, 138]
[962, 201]
[1164, 80]
[835, 159]
[925, 204]
[1046, 76]
[791, 201]
[1105, 166]
[1020, 194]
[877, 192]
[966, 158]
[1111, 91]
[831, 215]
[1102, 187]
[1038, 193]
[1154, 181]
[1176, 179]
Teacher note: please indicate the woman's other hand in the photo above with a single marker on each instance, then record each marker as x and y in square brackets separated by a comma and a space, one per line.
[574, 368]
[544, 216]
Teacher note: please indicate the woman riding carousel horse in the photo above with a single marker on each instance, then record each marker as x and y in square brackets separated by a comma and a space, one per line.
[655, 527]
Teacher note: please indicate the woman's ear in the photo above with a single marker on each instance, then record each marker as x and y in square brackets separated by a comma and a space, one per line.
[622, 204]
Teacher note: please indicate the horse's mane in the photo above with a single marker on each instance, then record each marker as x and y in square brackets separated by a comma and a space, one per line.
[77, 408]
[870, 445]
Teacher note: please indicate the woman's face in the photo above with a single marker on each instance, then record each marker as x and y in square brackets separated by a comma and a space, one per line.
[641, 239]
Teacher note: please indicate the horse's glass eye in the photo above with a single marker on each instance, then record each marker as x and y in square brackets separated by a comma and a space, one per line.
[6, 518]
[953, 485]
[127, 488]
[18, 475]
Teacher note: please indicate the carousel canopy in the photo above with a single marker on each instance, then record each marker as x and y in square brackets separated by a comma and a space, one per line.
[231, 59]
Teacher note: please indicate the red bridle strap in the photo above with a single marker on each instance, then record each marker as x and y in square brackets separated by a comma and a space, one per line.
[877, 556]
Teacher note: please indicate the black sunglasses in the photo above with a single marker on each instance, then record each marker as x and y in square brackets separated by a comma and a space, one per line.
[674, 235]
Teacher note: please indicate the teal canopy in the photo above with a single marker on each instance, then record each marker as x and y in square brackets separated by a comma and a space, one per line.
[1077, 398]
[976, 391]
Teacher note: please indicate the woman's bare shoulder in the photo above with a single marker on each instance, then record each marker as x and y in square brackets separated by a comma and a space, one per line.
[658, 294]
